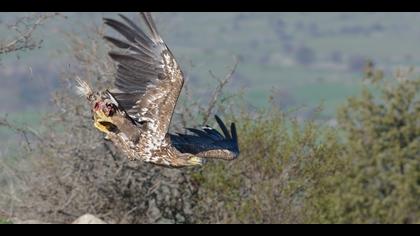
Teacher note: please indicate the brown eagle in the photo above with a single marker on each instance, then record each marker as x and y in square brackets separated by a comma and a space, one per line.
[137, 112]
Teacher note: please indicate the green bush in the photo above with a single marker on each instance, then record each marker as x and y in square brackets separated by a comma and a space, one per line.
[282, 161]
[381, 181]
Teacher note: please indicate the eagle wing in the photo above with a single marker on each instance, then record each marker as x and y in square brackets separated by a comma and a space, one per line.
[208, 142]
[148, 80]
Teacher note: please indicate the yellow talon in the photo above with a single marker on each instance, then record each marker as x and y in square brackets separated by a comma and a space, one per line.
[101, 120]
[101, 127]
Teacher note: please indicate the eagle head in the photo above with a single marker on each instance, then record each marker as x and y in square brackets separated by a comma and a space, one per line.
[103, 106]
[104, 110]
[106, 106]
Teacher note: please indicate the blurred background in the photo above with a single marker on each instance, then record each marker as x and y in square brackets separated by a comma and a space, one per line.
[293, 62]
[305, 58]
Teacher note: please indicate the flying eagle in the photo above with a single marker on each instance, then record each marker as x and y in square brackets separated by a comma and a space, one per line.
[135, 115]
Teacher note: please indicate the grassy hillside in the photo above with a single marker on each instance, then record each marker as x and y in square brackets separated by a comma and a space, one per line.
[271, 48]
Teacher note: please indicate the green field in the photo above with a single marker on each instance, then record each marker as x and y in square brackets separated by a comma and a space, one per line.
[266, 44]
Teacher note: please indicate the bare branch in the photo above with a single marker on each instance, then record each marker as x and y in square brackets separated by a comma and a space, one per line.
[218, 91]
[25, 28]
[25, 131]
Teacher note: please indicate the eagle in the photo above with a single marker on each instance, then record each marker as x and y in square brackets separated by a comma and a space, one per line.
[136, 113]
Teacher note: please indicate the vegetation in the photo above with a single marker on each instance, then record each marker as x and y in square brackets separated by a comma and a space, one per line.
[282, 162]
[364, 169]
[3, 222]
[381, 181]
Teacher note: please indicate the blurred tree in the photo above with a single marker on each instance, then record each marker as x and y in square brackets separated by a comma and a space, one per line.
[22, 31]
[336, 57]
[305, 56]
[282, 161]
[23, 35]
[381, 181]
[356, 63]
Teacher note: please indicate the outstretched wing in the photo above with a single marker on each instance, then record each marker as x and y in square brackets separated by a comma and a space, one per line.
[208, 142]
[148, 80]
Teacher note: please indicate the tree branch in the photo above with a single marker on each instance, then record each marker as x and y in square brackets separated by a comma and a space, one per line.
[24, 131]
[24, 40]
[218, 91]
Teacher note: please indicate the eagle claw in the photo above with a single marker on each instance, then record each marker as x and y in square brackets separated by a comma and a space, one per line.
[103, 122]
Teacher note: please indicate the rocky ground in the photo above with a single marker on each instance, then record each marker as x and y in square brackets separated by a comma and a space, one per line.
[85, 219]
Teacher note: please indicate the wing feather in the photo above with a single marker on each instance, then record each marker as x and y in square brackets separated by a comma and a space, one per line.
[223, 127]
[208, 143]
[213, 133]
[148, 80]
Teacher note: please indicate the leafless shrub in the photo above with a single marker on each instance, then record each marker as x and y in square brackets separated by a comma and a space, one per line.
[191, 109]
[73, 170]
[23, 33]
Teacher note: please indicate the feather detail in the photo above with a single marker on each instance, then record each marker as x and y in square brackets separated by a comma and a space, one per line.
[83, 88]
[208, 142]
